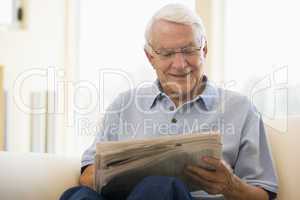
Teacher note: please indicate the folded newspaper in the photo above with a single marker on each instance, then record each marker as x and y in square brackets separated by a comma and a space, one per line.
[121, 165]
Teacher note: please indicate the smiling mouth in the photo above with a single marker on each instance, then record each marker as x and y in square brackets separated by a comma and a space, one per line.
[180, 75]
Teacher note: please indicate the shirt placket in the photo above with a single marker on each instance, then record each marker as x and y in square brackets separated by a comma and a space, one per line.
[173, 116]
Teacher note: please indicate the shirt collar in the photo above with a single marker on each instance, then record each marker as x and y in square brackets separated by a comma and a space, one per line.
[157, 93]
[152, 93]
[208, 97]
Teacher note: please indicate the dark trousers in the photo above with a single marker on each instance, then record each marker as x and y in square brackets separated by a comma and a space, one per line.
[150, 188]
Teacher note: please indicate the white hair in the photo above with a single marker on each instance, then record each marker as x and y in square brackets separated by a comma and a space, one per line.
[177, 13]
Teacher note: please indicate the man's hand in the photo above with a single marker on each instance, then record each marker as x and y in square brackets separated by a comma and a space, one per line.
[218, 181]
[87, 177]
[223, 181]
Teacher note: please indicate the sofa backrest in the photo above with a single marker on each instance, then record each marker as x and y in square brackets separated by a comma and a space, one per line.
[285, 146]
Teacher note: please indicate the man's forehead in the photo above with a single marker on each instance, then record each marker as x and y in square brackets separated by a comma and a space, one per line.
[189, 44]
[164, 26]
[167, 34]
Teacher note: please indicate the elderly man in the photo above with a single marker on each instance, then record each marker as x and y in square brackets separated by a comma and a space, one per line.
[185, 101]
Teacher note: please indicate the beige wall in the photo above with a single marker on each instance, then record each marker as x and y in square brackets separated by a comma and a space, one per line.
[1, 110]
[39, 45]
[212, 13]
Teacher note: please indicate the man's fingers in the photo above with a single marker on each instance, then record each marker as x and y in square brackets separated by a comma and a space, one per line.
[203, 173]
[211, 161]
[204, 184]
[227, 166]
[216, 163]
[209, 187]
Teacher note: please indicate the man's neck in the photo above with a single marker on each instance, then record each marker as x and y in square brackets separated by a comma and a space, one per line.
[180, 99]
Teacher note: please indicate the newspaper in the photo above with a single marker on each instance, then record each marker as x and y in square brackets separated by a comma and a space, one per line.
[119, 166]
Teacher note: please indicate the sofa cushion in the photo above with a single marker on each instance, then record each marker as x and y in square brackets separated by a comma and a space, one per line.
[33, 176]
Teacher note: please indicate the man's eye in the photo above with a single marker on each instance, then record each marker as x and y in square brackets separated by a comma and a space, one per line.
[188, 51]
[167, 54]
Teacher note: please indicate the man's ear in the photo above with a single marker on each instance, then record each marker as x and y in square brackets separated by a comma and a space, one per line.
[150, 57]
[205, 50]
[203, 53]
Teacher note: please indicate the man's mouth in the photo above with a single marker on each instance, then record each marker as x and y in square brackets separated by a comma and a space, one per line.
[183, 75]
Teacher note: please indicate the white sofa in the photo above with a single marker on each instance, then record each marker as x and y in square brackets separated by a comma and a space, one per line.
[32, 176]
[44, 177]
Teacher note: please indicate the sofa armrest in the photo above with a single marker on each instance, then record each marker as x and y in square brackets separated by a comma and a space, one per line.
[33, 176]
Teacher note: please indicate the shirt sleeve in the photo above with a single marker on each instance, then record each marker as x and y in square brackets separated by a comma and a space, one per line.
[254, 163]
[107, 132]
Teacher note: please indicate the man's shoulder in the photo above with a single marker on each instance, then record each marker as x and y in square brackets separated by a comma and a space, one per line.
[135, 92]
[134, 95]
[235, 100]
[224, 94]
[230, 95]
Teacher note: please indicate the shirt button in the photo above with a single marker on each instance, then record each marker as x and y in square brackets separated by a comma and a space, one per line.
[171, 108]
[174, 120]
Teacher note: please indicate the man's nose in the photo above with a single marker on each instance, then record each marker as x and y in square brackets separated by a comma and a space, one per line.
[179, 61]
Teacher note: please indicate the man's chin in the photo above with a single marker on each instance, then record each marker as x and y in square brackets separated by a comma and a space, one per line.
[182, 92]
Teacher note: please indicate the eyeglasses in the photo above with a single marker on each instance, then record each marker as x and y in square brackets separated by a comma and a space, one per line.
[187, 52]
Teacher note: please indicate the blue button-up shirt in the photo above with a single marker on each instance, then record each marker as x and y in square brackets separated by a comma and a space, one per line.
[147, 112]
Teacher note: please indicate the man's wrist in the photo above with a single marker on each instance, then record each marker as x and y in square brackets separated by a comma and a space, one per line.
[240, 190]
[87, 177]
[236, 189]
